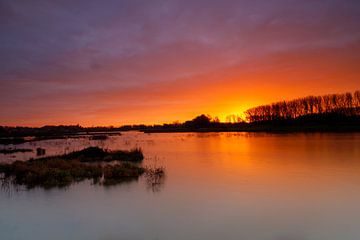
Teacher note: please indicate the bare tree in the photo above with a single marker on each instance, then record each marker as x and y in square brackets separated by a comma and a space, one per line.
[346, 103]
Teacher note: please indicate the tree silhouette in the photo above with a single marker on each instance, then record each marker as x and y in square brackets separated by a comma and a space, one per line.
[346, 104]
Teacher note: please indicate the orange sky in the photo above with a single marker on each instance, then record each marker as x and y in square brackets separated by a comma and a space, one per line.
[170, 61]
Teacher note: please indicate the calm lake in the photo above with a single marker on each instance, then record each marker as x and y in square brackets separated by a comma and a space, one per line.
[241, 186]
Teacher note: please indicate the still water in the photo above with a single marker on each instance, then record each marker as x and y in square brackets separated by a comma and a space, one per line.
[217, 186]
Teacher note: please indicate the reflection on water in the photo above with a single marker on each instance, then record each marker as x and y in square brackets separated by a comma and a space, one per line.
[218, 186]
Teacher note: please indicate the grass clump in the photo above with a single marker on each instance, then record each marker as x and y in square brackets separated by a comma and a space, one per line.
[50, 172]
[155, 177]
[61, 171]
[96, 154]
[134, 155]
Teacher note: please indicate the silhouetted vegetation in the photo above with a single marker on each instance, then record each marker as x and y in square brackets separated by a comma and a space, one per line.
[53, 172]
[60, 171]
[95, 154]
[155, 178]
[11, 140]
[332, 112]
[45, 131]
[330, 107]
[15, 150]
[15, 135]
[202, 121]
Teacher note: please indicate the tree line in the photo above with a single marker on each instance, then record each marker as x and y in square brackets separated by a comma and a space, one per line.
[345, 104]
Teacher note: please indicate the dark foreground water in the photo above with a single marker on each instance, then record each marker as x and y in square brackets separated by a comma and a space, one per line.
[218, 186]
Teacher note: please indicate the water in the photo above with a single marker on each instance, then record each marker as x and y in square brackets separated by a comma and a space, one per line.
[217, 186]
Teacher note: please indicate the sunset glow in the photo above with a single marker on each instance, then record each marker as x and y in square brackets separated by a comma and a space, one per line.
[130, 62]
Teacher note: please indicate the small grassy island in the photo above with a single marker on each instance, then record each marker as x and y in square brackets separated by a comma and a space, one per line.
[102, 166]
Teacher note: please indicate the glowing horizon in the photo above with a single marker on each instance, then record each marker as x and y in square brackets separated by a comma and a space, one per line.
[128, 62]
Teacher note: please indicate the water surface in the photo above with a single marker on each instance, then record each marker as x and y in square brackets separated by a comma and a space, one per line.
[217, 186]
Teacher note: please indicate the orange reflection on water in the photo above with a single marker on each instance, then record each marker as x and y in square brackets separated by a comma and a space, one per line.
[217, 186]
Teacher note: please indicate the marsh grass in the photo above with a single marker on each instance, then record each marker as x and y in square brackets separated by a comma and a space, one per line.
[95, 154]
[61, 171]
[155, 178]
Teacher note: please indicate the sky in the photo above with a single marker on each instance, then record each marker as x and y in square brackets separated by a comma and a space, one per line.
[116, 62]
